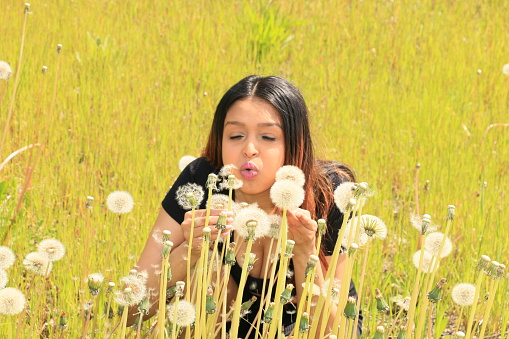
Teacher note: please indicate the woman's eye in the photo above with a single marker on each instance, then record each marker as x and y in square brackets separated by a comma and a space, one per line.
[268, 138]
[235, 137]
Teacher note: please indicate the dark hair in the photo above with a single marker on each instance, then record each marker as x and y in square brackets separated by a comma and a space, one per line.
[290, 104]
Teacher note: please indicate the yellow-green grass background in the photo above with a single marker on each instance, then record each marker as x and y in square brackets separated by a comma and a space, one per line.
[389, 84]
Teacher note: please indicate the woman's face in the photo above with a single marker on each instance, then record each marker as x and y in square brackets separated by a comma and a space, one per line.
[253, 141]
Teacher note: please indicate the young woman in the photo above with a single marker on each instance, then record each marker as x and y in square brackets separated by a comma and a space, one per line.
[260, 124]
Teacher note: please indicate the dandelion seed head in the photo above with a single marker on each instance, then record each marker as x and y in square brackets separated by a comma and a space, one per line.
[292, 173]
[4, 278]
[184, 161]
[404, 303]
[275, 225]
[249, 214]
[95, 278]
[433, 241]
[286, 194]
[53, 248]
[138, 290]
[422, 224]
[426, 261]
[7, 257]
[463, 294]
[5, 70]
[342, 195]
[362, 239]
[38, 263]
[505, 69]
[219, 201]
[12, 301]
[120, 202]
[190, 195]
[373, 226]
[186, 313]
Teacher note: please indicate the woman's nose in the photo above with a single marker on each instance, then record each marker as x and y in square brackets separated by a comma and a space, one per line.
[250, 150]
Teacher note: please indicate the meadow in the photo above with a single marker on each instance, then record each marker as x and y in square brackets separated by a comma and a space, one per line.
[411, 94]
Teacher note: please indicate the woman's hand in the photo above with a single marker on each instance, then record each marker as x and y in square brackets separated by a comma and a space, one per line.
[199, 225]
[302, 229]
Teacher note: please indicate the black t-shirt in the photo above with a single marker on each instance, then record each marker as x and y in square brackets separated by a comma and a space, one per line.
[197, 172]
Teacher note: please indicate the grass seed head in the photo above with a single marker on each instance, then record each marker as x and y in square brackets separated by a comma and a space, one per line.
[12, 301]
[184, 161]
[53, 248]
[120, 202]
[463, 294]
[38, 263]
[4, 278]
[5, 70]
[287, 194]
[7, 257]
[186, 313]
[292, 173]
[190, 196]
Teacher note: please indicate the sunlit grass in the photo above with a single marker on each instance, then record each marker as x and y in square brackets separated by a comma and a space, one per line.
[389, 84]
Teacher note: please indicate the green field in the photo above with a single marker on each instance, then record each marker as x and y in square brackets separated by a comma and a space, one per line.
[389, 84]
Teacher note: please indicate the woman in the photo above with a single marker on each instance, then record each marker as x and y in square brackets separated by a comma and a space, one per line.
[260, 124]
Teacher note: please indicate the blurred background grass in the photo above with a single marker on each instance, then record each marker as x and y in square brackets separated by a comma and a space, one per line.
[390, 84]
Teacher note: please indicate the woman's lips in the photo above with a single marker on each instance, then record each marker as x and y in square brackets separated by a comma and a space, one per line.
[248, 170]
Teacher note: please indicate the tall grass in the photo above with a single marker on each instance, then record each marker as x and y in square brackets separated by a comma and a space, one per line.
[389, 84]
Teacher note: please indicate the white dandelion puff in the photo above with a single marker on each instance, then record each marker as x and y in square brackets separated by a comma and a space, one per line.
[219, 201]
[95, 281]
[404, 303]
[422, 224]
[463, 294]
[505, 69]
[373, 226]
[250, 214]
[186, 313]
[427, 261]
[12, 301]
[325, 286]
[363, 238]
[53, 248]
[4, 278]
[292, 173]
[137, 290]
[275, 226]
[190, 195]
[5, 70]
[342, 196]
[38, 263]
[120, 202]
[7, 257]
[185, 160]
[433, 241]
[286, 194]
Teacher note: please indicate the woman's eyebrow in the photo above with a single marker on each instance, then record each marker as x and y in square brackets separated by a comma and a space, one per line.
[263, 124]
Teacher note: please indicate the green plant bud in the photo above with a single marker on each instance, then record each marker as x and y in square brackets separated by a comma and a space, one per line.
[351, 310]
[166, 235]
[402, 333]
[179, 289]
[500, 271]
[381, 303]
[144, 306]
[251, 226]
[206, 234]
[450, 212]
[287, 294]
[289, 248]
[210, 304]
[322, 226]
[231, 181]
[269, 313]
[244, 308]
[193, 201]
[170, 291]
[167, 248]
[230, 255]
[63, 321]
[221, 222]
[353, 248]
[311, 264]
[434, 294]
[304, 323]
[211, 182]
[380, 333]
[483, 263]
[492, 269]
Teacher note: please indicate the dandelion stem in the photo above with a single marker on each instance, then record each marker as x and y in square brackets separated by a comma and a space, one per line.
[361, 283]
[189, 248]
[474, 304]
[491, 297]
[415, 291]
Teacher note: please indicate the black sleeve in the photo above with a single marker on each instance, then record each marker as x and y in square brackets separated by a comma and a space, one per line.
[196, 172]
[334, 218]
